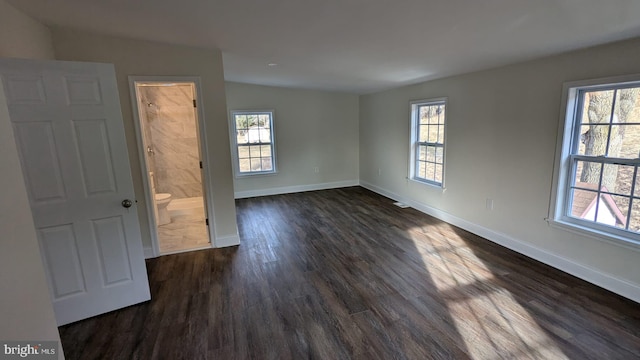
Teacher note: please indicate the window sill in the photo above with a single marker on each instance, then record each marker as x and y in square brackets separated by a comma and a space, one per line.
[257, 174]
[427, 183]
[603, 236]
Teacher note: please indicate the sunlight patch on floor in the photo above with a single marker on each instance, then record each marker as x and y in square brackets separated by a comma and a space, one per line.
[491, 322]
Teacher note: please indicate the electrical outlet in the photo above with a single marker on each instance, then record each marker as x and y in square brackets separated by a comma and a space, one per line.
[379, 171]
[316, 169]
[489, 204]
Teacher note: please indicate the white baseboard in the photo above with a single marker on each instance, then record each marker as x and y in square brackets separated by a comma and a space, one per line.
[597, 277]
[225, 241]
[294, 189]
[148, 252]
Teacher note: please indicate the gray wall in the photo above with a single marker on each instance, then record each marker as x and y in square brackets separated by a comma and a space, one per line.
[22, 36]
[144, 58]
[25, 304]
[312, 129]
[501, 142]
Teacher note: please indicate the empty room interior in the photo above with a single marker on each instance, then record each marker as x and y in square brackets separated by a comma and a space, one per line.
[320, 180]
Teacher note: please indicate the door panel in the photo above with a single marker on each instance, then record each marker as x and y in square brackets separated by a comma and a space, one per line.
[83, 90]
[60, 251]
[25, 89]
[92, 144]
[70, 138]
[114, 257]
[44, 177]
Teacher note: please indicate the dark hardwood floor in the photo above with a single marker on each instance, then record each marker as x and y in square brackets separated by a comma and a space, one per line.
[344, 274]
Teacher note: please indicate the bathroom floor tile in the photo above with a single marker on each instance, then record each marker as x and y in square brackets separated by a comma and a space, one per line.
[185, 232]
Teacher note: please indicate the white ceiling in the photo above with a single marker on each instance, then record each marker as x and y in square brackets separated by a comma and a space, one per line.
[358, 46]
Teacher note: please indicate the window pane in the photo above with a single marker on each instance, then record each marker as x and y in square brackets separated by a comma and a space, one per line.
[441, 134]
[441, 114]
[436, 115]
[243, 152]
[634, 223]
[423, 115]
[423, 132]
[253, 135]
[439, 171]
[431, 114]
[422, 170]
[254, 151]
[434, 119]
[612, 210]
[266, 164]
[255, 164]
[241, 137]
[431, 153]
[252, 120]
[265, 135]
[593, 140]
[264, 120]
[626, 109]
[433, 134]
[598, 105]
[588, 175]
[439, 155]
[241, 122]
[244, 165]
[431, 170]
[583, 205]
[637, 188]
[422, 152]
[630, 147]
[617, 178]
[265, 150]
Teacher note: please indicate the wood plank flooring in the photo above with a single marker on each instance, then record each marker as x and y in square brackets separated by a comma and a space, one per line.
[344, 274]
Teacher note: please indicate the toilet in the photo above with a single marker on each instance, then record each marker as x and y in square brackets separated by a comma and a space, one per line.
[162, 201]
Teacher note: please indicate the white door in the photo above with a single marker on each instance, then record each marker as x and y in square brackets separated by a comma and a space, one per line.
[68, 126]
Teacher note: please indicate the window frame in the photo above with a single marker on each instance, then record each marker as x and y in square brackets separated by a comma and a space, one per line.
[566, 155]
[235, 146]
[414, 108]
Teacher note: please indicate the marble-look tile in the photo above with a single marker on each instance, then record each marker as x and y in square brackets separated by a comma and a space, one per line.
[167, 95]
[173, 137]
[191, 190]
[185, 232]
[183, 190]
[175, 147]
[178, 177]
[167, 127]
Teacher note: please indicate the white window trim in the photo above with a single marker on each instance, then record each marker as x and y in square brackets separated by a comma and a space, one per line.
[559, 191]
[234, 144]
[413, 136]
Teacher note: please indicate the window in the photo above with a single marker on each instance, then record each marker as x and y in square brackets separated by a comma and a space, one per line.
[599, 179]
[427, 141]
[253, 142]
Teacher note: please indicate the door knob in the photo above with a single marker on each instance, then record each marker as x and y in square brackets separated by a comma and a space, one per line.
[126, 203]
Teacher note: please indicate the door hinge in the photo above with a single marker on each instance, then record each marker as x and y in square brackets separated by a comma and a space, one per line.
[194, 103]
[200, 164]
[206, 221]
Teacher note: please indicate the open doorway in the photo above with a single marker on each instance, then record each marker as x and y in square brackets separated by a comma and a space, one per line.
[170, 142]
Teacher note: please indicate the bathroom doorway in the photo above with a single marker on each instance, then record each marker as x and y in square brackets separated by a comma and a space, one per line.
[169, 127]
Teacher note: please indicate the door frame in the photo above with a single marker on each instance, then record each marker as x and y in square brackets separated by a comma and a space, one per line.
[203, 149]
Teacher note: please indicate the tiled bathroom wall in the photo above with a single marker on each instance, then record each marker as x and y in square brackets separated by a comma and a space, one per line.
[170, 130]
